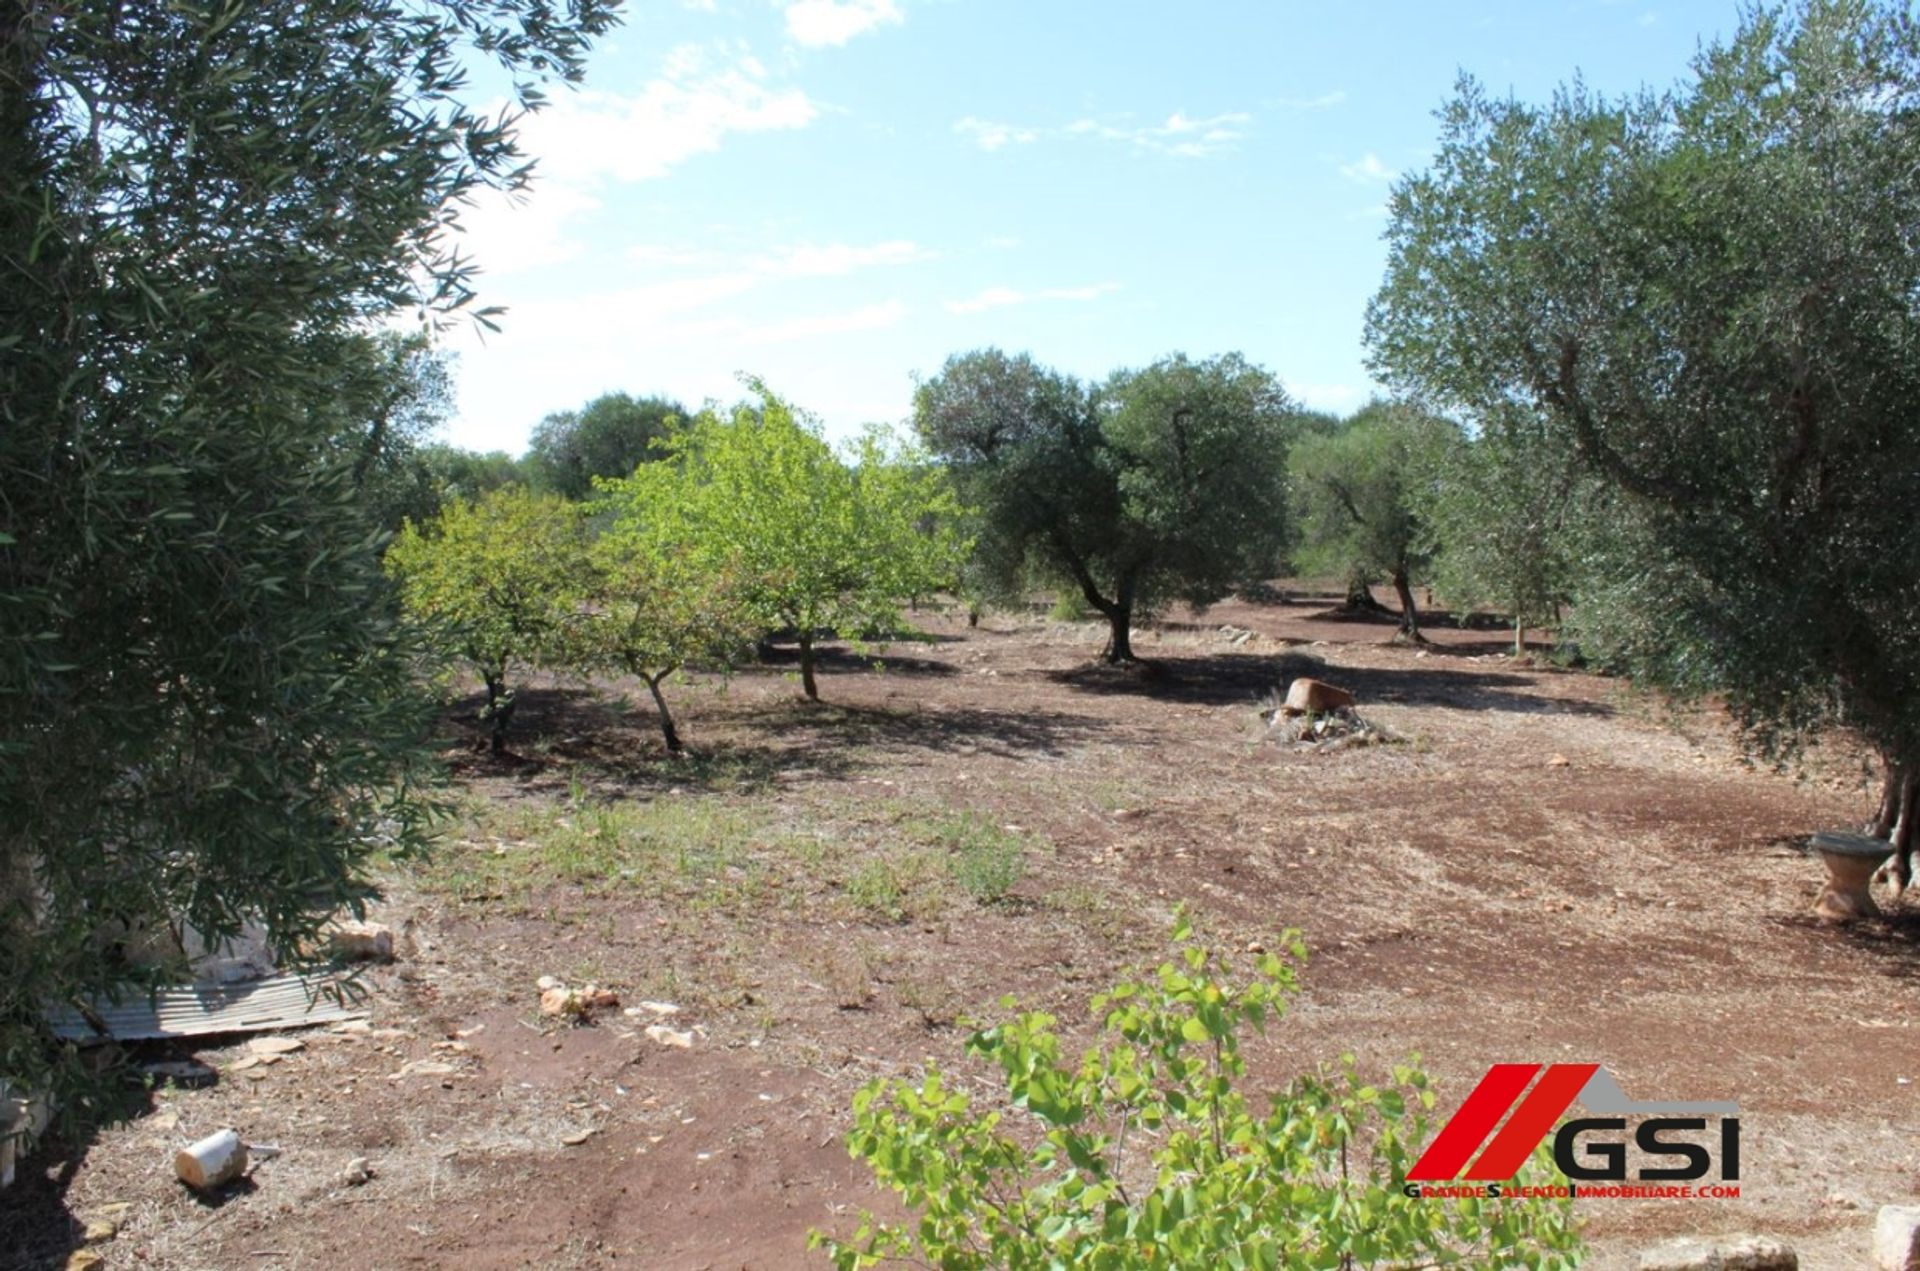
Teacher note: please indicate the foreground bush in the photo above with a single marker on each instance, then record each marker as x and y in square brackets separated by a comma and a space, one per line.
[1145, 1155]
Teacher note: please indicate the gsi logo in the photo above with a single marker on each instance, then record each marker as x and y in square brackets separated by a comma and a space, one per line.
[1559, 1085]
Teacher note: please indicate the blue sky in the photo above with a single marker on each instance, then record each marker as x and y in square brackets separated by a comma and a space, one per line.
[838, 194]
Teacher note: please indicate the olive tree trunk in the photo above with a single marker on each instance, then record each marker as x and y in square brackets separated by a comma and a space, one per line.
[1409, 614]
[1894, 819]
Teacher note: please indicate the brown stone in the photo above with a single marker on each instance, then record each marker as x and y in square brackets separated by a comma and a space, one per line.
[1314, 697]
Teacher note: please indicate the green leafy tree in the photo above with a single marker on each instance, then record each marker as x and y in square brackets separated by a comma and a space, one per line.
[812, 543]
[654, 606]
[1145, 1154]
[1707, 295]
[212, 713]
[1160, 484]
[453, 473]
[502, 579]
[1358, 495]
[608, 437]
[1505, 514]
[391, 393]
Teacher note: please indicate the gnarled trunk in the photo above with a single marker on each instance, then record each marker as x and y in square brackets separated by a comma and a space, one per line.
[1409, 615]
[1895, 817]
[1119, 612]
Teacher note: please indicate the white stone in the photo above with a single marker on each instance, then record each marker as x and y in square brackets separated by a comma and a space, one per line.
[1896, 1238]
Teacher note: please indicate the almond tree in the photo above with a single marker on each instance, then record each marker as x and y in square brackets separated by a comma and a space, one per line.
[500, 579]
[810, 542]
[652, 607]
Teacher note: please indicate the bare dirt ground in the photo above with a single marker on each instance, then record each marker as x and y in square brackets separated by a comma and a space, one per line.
[1547, 868]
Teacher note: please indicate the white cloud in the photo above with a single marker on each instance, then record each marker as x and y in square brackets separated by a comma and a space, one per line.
[992, 136]
[689, 110]
[815, 23]
[1002, 297]
[1178, 135]
[583, 141]
[1368, 169]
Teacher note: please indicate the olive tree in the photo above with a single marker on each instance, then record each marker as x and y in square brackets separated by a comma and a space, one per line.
[1359, 496]
[1507, 517]
[1163, 483]
[1708, 295]
[608, 437]
[213, 718]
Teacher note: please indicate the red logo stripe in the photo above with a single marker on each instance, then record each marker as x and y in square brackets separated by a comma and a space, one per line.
[1531, 1121]
[1472, 1123]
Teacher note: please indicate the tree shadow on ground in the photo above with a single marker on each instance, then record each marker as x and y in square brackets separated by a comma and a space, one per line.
[566, 733]
[36, 1223]
[1891, 941]
[38, 1228]
[828, 726]
[1226, 679]
[841, 659]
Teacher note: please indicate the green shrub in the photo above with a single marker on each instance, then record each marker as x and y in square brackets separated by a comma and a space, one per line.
[1144, 1155]
[986, 860]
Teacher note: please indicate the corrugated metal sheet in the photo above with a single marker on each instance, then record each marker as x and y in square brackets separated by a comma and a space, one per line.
[283, 1001]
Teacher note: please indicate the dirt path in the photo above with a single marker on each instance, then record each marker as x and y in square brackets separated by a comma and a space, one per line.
[1542, 871]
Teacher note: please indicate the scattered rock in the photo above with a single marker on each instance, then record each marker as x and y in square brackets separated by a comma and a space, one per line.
[100, 1230]
[1314, 697]
[577, 1138]
[655, 1009]
[424, 1068]
[668, 1037]
[546, 982]
[1559, 761]
[359, 1172]
[1727, 1253]
[559, 1001]
[84, 1260]
[352, 941]
[1896, 1238]
[1758, 1253]
[275, 1045]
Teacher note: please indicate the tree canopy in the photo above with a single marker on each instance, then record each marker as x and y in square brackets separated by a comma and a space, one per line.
[1163, 483]
[1361, 496]
[500, 579]
[813, 543]
[213, 717]
[608, 437]
[1707, 296]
